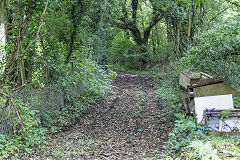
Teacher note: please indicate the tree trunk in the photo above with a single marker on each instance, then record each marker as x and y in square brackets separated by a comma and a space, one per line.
[193, 22]
[73, 34]
[131, 24]
[201, 15]
[153, 42]
[22, 71]
[8, 27]
[75, 17]
[190, 21]
[169, 29]
[158, 44]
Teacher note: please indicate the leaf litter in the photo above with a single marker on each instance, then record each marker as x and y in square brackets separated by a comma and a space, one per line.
[124, 125]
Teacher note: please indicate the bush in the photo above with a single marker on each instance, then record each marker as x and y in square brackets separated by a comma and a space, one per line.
[26, 134]
[81, 89]
[216, 52]
[125, 54]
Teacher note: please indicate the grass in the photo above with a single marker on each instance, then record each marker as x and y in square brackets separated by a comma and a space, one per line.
[225, 147]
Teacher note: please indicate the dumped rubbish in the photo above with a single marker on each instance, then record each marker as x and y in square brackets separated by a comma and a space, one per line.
[193, 84]
[222, 120]
[207, 98]
[210, 102]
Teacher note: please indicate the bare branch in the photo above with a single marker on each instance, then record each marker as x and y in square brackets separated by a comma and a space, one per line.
[15, 108]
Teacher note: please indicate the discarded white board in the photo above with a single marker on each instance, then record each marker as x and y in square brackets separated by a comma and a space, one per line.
[231, 124]
[210, 102]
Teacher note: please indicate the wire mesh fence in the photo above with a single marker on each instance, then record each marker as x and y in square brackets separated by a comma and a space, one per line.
[42, 99]
[46, 99]
[5, 124]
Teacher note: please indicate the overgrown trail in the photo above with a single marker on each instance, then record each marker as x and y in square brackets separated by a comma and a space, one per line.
[125, 125]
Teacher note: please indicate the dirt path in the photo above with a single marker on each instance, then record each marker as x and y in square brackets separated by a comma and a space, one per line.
[125, 125]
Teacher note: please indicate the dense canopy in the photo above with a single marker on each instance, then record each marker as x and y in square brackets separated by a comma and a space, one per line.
[59, 57]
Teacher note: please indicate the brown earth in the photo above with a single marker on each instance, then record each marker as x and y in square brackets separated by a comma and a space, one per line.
[125, 125]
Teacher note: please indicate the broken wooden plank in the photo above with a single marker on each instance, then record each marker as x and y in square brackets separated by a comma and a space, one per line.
[187, 79]
[213, 89]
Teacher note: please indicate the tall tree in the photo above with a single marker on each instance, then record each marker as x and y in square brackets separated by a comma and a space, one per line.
[21, 36]
[76, 15]
[129, 18]
[130, 21]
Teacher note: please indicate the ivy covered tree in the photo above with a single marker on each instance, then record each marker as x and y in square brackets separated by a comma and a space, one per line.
[23, 22]
[128, 15]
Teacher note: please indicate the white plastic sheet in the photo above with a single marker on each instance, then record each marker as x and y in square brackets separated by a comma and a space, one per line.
[210, 102]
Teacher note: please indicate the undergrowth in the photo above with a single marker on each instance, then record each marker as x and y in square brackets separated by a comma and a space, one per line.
[27, 131]
[215, 53]
[186, 141]
[81, 88]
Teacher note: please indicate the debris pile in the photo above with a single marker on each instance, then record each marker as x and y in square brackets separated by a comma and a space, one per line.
[210, 101]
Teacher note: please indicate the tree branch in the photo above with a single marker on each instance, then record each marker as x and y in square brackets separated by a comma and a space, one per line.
[125, 23]
[39, 28]
[15, 108]
[119, 25]
[218, 14]
[156, 18]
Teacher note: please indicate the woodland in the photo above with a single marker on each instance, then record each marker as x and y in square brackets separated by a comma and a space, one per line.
[99, 79]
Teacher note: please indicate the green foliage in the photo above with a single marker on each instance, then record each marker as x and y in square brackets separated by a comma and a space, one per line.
[225, 113]
[82, 81]
[183, 134]
[20, 142]
[125, 53]
[169, 99]
[185, 131]
[20, 35]
[203, 151]
[79, 30]
[212, 147]
[81, 87]
[216, 52]
[236, 102]
[167, 90]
